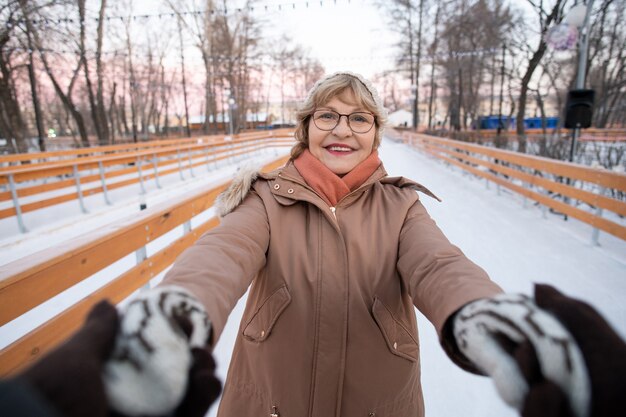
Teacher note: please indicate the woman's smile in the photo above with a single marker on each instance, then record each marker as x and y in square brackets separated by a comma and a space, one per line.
[339, 149]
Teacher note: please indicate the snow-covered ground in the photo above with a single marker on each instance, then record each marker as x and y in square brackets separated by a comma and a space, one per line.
[516, 242]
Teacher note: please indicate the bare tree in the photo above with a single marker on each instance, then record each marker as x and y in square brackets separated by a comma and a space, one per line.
[34, 94]
[407, 18]
[183, 75]
[30, 9]
[607, 63]
[133, 84]
[433, 66]
[545, 19]
[100, 125]
[471, 33]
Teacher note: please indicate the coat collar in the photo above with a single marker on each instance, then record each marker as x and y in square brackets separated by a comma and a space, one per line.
[287, 182]
[288, 186]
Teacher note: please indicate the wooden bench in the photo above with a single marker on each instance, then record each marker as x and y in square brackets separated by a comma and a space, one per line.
[555, 184]
[32, 280]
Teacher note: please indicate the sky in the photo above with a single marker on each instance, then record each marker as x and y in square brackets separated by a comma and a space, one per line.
[342, 34]
[515, 241]
[346, 35]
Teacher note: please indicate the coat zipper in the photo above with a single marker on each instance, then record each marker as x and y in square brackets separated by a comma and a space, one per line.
[332, 209]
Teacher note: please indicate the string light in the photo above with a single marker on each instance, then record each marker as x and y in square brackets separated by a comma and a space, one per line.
[249, 9]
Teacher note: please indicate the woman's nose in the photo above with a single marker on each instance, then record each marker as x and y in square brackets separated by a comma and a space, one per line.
[342, 128]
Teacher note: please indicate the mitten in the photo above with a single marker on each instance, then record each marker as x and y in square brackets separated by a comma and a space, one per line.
[511, 339]
[161, 356]
[602, 348]
[69, 377]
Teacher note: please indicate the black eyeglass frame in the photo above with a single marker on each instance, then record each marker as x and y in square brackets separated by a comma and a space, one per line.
[339, 119]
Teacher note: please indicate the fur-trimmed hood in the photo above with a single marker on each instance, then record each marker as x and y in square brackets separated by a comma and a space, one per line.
[230, 198]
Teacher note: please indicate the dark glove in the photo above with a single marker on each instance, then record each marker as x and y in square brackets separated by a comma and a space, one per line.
[69, 377]
[603, 350]
[519, 345]
[162, 363]
[203, 387]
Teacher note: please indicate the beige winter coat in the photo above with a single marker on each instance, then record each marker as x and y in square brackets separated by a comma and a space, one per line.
[329, 327]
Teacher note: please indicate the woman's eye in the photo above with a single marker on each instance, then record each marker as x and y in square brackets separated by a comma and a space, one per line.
[359, 118]
[327, 116]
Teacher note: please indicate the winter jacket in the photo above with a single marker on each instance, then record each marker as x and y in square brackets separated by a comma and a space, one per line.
[329, 327]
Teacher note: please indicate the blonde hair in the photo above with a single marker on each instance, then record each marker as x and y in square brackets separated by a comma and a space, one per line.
[329, 88]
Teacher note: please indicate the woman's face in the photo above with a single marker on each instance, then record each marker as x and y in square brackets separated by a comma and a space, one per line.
[341, 149]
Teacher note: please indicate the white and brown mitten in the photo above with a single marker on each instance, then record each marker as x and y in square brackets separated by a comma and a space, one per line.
[161, 364]
[507, 336]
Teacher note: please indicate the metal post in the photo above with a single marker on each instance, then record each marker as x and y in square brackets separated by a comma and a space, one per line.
[206, 155]
[180, 165]
[104, 184]
[595, 234]
[143, 189]
[527, 187]
[16, 204]
[78, 190]
[190, 163]
[215, 156]
[155, 164]
[141, 255]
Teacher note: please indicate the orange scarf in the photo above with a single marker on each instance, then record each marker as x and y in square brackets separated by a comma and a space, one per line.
[329, 185]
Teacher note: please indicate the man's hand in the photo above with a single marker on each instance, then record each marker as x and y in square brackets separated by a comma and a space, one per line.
[553, 356]
[520, 346]
[161, 362]
[69, 377]
[603, 349]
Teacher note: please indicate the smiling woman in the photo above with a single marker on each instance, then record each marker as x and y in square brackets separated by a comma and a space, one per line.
[337, 254]
[333, 140]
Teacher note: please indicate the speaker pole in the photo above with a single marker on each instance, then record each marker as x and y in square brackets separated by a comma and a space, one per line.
[582, 69]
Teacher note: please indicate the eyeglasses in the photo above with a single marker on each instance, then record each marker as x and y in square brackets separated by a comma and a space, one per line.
[358, 122]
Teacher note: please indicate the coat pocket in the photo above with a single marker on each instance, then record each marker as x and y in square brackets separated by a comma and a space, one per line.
[259, 327]
[397, 335]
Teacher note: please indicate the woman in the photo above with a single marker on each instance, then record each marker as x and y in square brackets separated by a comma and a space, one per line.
[337, 254]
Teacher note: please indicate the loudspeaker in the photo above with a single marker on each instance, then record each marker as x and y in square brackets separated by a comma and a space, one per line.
[579, 108]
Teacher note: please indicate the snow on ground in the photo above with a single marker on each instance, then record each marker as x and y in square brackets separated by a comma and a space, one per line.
[516, 242]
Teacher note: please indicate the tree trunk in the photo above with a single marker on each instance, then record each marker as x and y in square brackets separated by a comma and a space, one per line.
[85, 64]
[184, 79]
[101, 112]
[433, 84]
[33, 89]
[132, 86]
[113, 115]
[418, 59]
[12, 123]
